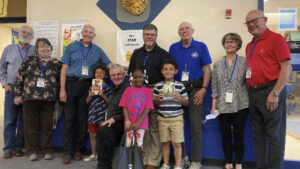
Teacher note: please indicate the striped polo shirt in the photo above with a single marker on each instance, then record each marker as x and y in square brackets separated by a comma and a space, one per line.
[168, 107]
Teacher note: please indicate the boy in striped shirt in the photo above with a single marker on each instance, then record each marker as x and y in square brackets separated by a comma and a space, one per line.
[170, 96]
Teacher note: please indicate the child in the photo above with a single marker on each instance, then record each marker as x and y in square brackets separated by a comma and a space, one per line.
[170, 95]
[98, 108]
[136, 102]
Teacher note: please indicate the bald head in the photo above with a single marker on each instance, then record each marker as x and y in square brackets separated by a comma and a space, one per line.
[256, 23]
[186, 31]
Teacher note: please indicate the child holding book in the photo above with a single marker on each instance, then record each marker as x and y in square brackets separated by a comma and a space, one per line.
[97, 99]
[136, 101]
[170, 96]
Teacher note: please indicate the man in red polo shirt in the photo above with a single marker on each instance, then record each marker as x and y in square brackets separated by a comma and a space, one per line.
[268, 69]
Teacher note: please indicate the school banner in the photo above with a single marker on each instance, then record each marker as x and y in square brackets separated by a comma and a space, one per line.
[127, 41]
[71, 31]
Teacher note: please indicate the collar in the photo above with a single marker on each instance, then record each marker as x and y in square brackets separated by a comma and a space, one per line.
[154, 49]
[84, 45]
[27, 46]
[263, 36]
[191, 45]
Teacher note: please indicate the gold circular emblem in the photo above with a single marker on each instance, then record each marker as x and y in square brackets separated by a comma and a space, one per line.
[136, 7]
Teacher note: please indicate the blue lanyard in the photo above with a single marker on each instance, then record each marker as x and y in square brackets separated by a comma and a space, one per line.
[87, 53]
[41, 65]
[251, 52]
[23, 57]
[229, 79]
[147, 56]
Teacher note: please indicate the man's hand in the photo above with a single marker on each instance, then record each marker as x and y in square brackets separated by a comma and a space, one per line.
[109, 122]
[7, 88]
[18, 100]
[198, 98]
[272, 103]
[63, 96]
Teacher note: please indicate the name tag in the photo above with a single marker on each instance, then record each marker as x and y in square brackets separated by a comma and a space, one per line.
[248, 73]
[185, 76]
[229, 97]
[85, 70]
[40, 82]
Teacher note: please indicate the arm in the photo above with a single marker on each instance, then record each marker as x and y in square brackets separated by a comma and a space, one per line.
[90, 97]
[214, 105]
[286, 68]
[183, 101]
[137, 124]
[127, 122]
[62, 92]
[105, 98]
[3, 72]
[158, 98]
[214, 88]
[19, 83]
[198, 98]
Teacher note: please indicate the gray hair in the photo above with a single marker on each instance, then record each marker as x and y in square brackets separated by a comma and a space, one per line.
[91, 26]
[116, 66]
[26, 26]
[149, 27]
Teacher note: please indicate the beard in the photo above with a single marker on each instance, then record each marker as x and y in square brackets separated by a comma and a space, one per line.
[24, 40]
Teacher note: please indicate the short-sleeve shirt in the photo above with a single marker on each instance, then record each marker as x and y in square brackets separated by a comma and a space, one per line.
[136, 100]
[191, 59]
[168, 107]
[270, 49]
[98, 107]
[77, 55]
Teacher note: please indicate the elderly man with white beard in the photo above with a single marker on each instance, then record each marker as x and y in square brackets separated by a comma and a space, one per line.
[12, 57]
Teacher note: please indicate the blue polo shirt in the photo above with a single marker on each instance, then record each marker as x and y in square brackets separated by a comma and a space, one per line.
[191, 59]
[76, 55]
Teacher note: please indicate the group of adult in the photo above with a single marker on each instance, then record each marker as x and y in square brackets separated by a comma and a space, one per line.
[30, 78]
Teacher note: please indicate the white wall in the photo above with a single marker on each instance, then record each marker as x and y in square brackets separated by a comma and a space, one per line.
[207, 17]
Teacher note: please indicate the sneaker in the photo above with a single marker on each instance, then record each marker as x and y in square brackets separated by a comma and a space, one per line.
[165, 166]
[177, 167]
[185, 162]
[33, 157]
[195, 165]
[48, 156]
[92, 157]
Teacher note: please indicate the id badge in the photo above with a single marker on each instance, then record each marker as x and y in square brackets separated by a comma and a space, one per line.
[85, 70]
[40, 82]
[229, 97]
[185, 76]
[248, 73]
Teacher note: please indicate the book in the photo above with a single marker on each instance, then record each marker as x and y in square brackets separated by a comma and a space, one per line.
[168, 90]
[97, 85]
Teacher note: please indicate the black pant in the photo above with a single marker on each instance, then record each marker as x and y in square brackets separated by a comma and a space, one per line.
[268, 129]
[109, 138]
[75, 116]
[235, 121]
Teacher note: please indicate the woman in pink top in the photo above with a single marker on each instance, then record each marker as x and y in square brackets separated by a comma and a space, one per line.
[136, 102]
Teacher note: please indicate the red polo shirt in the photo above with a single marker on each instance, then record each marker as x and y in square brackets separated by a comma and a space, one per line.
[270, 49]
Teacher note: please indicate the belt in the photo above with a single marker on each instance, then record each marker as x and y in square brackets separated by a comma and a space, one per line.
[261, 87]
[77, 79]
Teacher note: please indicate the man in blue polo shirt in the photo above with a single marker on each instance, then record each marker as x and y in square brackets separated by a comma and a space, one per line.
[79, 61]
[193, 61]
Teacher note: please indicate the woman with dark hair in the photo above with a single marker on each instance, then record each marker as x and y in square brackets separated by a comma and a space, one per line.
[37, 88]
[230, 97]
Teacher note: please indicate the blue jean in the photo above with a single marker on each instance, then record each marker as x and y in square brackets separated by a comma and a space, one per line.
[13, 124]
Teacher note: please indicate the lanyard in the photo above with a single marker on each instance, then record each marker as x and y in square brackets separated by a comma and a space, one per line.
[87, 53]
[147, 56]
[22, 57]
[251, 52]
[229, 79]
[41, 65]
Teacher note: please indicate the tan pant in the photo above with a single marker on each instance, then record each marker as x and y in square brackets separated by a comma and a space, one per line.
[152, 151]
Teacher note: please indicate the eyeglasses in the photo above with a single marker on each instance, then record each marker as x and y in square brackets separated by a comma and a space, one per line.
[26, 33]
[230, 42]
[149, 34]
[254, 21]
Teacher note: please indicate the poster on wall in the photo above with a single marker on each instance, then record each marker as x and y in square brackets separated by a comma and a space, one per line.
[287, 19]
[71, 31]
[127, 41]
[14, 37]
[3, 8]
[49, 30]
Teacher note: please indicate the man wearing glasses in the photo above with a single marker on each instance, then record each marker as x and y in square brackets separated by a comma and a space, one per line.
[268, 70]
[12, 57]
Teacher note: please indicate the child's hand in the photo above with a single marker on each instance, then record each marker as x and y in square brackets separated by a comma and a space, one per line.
[177, 97]
[135, 126]
[91, 93]
[160, 96]
[100, 93]
[127, 125]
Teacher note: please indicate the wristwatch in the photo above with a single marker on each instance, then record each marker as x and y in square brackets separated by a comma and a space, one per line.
[274, 93]
[205, 87]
